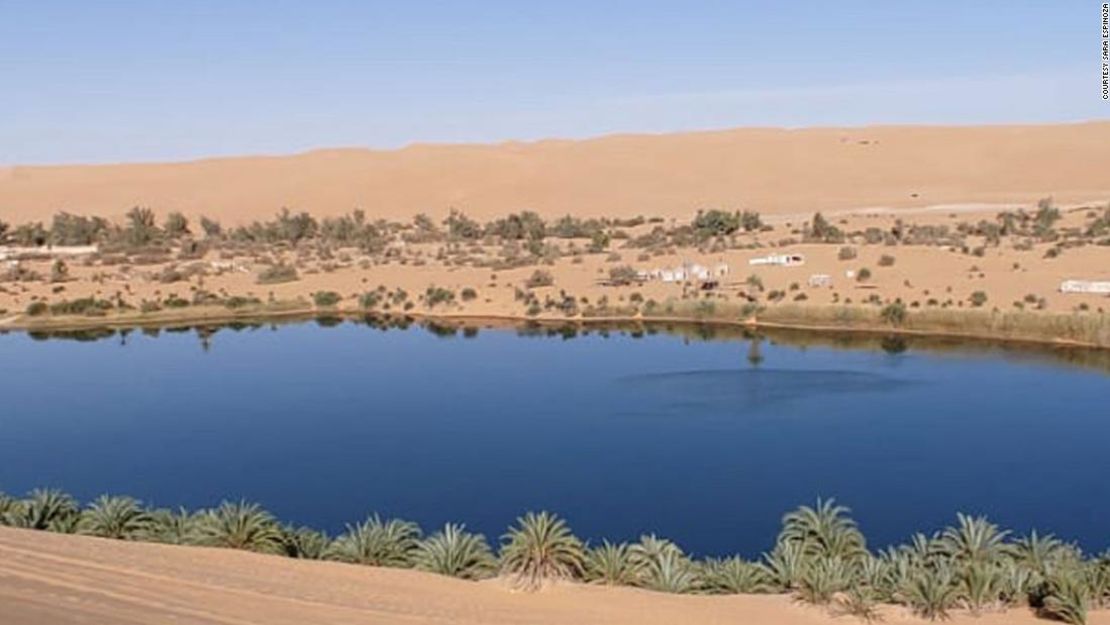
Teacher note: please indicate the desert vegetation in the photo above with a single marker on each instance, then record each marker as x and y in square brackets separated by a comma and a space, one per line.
[820, 555]
[529, 266]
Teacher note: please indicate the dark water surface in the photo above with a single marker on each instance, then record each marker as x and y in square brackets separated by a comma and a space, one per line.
[620, 434]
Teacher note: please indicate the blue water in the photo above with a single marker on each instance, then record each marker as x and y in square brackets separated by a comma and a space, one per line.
[620, 435]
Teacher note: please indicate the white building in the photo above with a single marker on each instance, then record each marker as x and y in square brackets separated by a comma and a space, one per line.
[1085, 286]
[820, 279]
[781, 260]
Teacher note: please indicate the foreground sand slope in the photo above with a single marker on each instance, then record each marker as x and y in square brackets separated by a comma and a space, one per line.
[56, 579]
[769, 170]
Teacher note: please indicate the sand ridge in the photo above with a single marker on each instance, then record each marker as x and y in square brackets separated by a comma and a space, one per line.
[670, 175]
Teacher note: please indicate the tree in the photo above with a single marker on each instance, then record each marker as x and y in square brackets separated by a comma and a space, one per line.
[894, 313]
[454, 551]
[240, 525]
[212, 229]
[176, 225]
[716, 223]
[541, 547]
[822, 230]
[141, 228]
[459, 226]
[825, 530]
[122, 518]
[377, 542]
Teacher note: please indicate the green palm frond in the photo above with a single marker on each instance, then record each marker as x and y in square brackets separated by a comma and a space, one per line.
[239, 525]
[1068, 598]
[980, 586]
[612, 565]
[823, 579]
[174, 527]
[304, 543]
[671, 572]
[733, 576]
[931, 592]
[541, 547]
[377, 542]
[1038, 552]
[454, 551]
[785, 566]
[10, 507]
[44, 509]
[860, 601]
[825, 531]
[122, 518]
[974, 539]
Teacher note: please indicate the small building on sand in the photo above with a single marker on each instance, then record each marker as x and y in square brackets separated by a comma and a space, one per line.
[1085, 286]
[779, 260]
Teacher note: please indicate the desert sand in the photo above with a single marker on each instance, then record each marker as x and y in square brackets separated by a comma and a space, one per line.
[59, 579]
[773, 171]
[1011, 278]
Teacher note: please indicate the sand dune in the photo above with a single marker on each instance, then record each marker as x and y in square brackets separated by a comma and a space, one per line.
[770, 170]
[56, 579]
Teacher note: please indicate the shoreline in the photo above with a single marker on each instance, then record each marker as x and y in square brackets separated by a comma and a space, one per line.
[220, 316]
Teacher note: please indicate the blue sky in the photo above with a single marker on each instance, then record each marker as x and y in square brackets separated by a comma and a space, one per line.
[109, 81]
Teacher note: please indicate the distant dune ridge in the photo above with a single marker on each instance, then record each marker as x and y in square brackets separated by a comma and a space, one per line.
[672, 175]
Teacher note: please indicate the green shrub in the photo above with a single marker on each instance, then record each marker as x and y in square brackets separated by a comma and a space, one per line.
[435, 296]
[326, 299]
[276, 274]
[894, 313]
[539, 278]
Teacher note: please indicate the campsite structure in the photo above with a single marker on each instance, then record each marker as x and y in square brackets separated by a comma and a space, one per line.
[780, 260]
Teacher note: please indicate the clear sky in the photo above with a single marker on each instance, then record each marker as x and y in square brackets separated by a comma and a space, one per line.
[112, 80]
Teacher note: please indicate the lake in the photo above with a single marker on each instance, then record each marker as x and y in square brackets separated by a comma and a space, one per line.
[705, 441]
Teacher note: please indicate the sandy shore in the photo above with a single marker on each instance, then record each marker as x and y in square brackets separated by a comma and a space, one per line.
[773, 171]
[58, 579]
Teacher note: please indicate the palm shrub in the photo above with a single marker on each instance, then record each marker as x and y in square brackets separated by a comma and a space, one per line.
[455, 552]
[1017, 582]
[662, 565]
[304, 543]
[173, 527]
[10, 507]
[784, 566]
[122, 518]
[931, 592]
[612, 565]
[45, 509]
[888, 573]
[539, 547]
[1098, 578]
[671, 572]
[239, 525]
[980, 586]
[731, 576]
[377, 542]
[860, 601]
[824, 578]
[1037, 552]
[824, 531]
[650, 549]
[974, 539]
[1068, 597]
